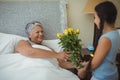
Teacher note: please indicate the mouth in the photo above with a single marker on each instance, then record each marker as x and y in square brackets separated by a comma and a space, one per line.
[40, 38]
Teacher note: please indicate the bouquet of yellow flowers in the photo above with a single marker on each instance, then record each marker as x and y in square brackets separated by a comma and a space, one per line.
[69, 42]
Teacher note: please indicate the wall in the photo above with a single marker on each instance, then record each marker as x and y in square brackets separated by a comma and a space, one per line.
[79, 20]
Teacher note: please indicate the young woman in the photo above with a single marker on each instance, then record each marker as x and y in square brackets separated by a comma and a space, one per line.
[103, 65]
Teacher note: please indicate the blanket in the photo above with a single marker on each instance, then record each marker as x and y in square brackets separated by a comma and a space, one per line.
[18, 67]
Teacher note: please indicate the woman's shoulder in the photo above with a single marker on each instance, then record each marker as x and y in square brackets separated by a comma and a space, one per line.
[23, 42]
[111, 34]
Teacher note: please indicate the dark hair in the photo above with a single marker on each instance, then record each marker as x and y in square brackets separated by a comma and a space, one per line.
[106, 11]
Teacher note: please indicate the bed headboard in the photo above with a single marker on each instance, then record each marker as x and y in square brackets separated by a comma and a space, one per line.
[14, 15]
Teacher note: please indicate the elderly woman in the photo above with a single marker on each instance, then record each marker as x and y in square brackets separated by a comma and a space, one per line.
[35, 34]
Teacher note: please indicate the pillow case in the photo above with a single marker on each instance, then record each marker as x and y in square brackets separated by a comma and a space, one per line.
[8, 42]
[53, 44]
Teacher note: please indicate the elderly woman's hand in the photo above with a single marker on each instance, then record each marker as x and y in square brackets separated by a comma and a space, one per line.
[62, 56]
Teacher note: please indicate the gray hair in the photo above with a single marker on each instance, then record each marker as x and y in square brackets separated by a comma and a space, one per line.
[31, 25]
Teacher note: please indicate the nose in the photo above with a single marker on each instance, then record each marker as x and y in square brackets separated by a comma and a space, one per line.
[41, 34]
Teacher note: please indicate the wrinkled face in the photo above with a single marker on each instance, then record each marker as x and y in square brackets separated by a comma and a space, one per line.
[37, 34]
[97, 20]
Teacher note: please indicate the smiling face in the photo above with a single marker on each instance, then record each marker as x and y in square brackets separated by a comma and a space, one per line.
[97, 20]
[37, 34]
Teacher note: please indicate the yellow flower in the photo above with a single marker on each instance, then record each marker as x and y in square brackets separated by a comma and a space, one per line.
[74, 32]
[69, 41]
[65, 31]
[77, 31]
[59, 35]
[92, 55]
[70, 30]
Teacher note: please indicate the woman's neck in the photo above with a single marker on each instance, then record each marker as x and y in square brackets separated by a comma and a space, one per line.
[108, 28]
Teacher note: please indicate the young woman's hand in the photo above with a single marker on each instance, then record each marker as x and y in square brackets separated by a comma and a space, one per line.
[82, 71]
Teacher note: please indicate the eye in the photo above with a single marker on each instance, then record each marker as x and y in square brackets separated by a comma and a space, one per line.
[37, 31]
[42, 31]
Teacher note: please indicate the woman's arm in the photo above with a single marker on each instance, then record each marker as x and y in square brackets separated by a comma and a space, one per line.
[24, 48]
[100, 53]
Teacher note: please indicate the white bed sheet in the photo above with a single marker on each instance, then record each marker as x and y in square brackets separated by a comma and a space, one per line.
[18, 67]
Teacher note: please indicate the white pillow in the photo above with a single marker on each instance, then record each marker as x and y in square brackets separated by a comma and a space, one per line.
[8, 42]
[53, 44]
